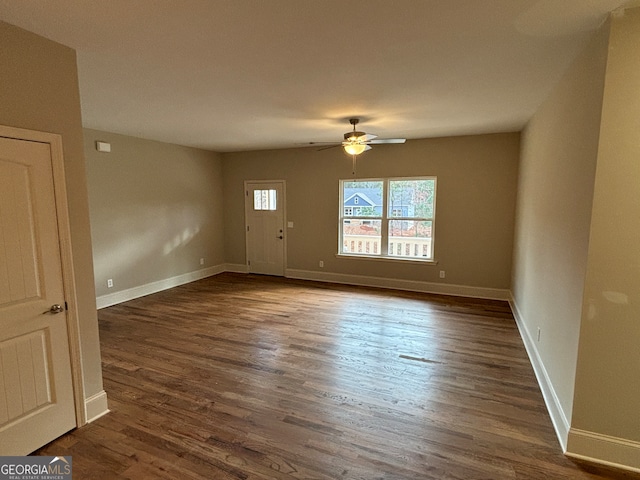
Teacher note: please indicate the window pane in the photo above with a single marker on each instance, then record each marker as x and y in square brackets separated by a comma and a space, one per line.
[411, 198]
[272, 199]
[410, 239]
[264, 199]
[361, 236]
[362, 198]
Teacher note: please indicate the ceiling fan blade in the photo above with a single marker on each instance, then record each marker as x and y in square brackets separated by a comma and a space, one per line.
[367, 137]
[328, 147]
[387, 140]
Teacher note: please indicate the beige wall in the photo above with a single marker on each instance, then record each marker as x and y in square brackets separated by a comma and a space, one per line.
[39, 91]
[475, 205]
[607, 397]
[156, 210]
[555, 189]
[576, 256]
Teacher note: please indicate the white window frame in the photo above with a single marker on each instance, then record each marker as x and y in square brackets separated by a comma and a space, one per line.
[385, 218]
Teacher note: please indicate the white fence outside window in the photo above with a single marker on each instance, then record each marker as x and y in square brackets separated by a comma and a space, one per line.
[408, 247]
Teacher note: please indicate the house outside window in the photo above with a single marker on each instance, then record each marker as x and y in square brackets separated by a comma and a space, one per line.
[395, 218]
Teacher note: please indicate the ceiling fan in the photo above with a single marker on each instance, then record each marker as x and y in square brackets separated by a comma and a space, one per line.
[356, 142]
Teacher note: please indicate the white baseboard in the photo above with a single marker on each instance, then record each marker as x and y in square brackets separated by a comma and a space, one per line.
[603, 449]
[557, 414]
[153, 287]
[108, 300]
[398, 284]
[96, 406]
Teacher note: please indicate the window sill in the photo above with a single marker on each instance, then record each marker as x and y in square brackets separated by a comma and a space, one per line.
[380, 258]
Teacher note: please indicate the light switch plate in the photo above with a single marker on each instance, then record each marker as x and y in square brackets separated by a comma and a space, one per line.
[103, 147]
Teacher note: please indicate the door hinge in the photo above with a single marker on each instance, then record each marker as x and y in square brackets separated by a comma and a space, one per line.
[248, 262]
[247, 228]
[66, 305]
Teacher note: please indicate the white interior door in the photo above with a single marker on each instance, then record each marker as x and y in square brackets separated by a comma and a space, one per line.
[36, 389]
[264, 213]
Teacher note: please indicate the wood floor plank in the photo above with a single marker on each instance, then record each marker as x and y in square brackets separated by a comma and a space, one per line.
[252, 377]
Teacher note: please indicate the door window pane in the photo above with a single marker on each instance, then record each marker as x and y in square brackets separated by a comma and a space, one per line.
[264, 199]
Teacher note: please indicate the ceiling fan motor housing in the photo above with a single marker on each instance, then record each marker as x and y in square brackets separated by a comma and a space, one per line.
[353, 136]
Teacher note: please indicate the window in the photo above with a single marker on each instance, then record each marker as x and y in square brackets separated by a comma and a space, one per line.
[264, 199]
[398, 221]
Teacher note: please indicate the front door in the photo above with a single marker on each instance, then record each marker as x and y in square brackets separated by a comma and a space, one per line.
[264, 213]
[36, 389]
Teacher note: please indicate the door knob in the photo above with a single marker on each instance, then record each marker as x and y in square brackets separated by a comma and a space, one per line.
[56, 308]
[280, 237]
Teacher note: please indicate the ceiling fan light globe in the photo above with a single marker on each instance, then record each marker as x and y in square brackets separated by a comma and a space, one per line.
[355, 148]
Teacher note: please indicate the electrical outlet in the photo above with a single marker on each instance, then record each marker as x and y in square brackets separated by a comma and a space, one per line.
[202, 261]
[442, 274]
[110, 283]
[321, 263]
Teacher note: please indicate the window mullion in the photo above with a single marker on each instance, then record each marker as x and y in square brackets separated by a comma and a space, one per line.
[384, 241]
[341, 220]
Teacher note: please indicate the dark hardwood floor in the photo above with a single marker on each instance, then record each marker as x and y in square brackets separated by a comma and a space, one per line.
[249, 377]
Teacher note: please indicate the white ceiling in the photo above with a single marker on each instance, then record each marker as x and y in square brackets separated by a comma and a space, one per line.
[230, 75]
